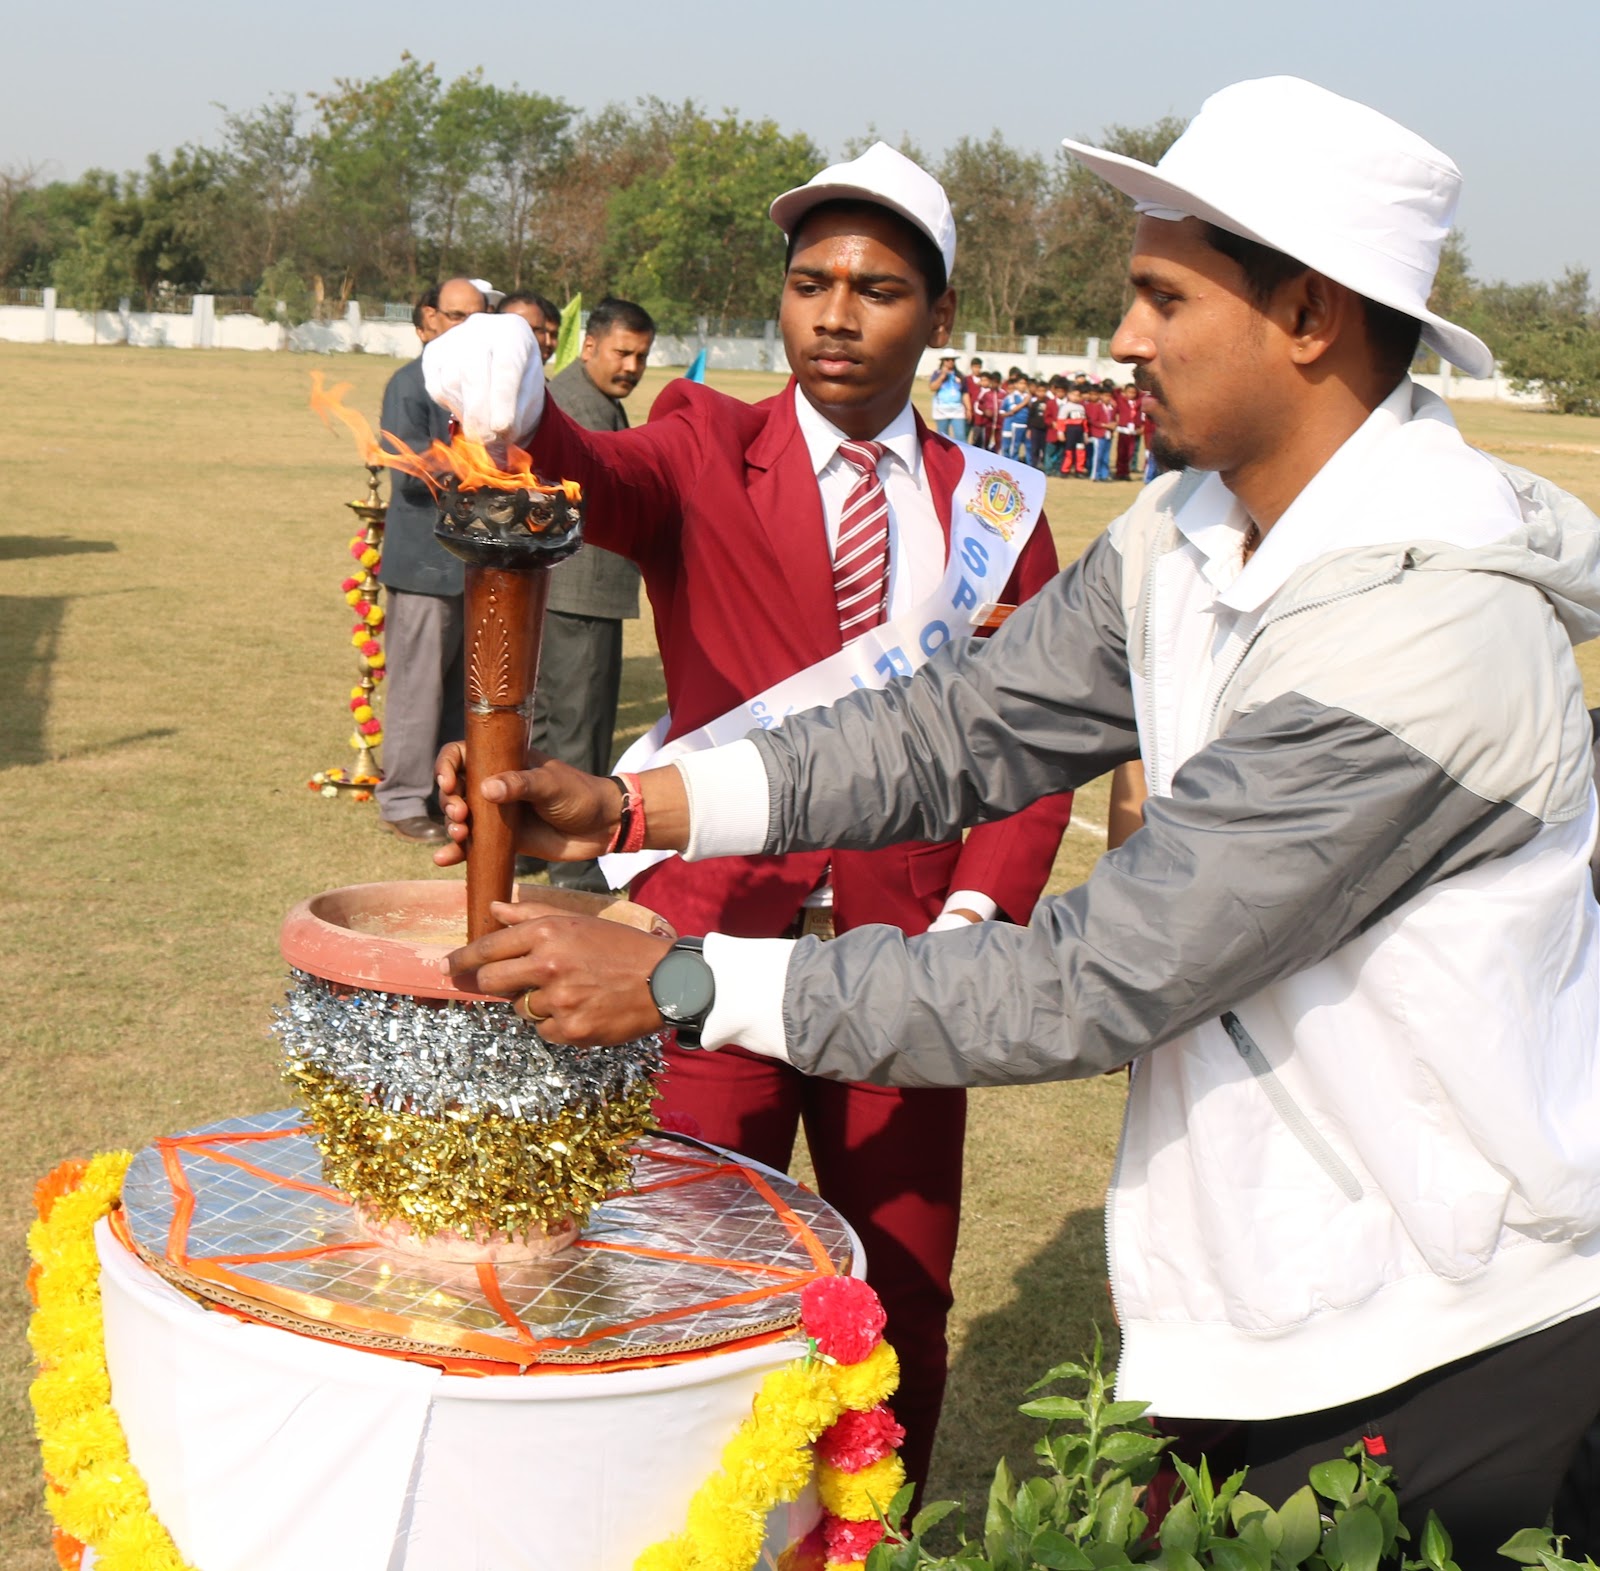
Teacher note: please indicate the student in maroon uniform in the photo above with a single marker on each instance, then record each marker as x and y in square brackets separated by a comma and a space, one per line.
[726, 508]
[1147, 427]
[1075, 449]
[986, 413]
[1129, 411]
[1055, 434]
[1099, 418]
[1040, 408]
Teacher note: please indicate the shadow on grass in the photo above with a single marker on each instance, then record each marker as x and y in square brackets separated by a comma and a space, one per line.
[32, 625]
[112, 744]
[1060, 1295]
[15, 548]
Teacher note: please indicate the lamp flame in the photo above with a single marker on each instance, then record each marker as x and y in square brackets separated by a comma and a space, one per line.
[470, 464]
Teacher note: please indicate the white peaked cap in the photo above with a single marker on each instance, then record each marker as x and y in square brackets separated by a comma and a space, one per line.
[490, 294]
[883, 176]
[1327, 181]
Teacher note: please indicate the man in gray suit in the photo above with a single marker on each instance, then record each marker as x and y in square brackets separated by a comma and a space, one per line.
[422, 623]
[580, 663]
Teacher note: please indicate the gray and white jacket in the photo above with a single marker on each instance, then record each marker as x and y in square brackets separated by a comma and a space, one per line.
[1353, 955]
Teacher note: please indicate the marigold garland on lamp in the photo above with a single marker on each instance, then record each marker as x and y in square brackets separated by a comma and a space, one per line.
[361, 591]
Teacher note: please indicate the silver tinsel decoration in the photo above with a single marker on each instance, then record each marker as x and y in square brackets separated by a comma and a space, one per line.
[408, 1055]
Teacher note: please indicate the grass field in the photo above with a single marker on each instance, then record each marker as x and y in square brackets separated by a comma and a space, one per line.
[171, 542]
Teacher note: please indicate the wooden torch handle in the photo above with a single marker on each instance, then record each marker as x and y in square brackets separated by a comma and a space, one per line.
[504, 613]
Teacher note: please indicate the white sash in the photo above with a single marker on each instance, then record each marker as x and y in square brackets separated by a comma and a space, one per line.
[992, 514]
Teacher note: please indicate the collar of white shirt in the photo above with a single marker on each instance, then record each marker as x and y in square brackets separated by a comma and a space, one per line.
[823, 436]
[1372, 491]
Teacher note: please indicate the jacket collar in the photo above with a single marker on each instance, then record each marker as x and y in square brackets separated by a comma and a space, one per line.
[1365, 495]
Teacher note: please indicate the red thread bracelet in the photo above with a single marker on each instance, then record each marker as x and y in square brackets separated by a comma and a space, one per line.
[628, 836]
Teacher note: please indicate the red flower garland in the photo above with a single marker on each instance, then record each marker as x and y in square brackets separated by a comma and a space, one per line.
[842, 1314]
[844, 1318]
[858, 1440]
[848, 1542]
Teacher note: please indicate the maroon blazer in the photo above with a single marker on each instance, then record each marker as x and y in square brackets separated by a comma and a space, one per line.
[716, 501]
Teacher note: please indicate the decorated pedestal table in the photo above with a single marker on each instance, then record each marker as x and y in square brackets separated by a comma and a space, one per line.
[273, 1451]
[298, 1380]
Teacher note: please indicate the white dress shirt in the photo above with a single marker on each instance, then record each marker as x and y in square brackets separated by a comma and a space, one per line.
[916, 542]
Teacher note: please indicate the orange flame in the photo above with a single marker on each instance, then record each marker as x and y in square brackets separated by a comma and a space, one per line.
[472, 465]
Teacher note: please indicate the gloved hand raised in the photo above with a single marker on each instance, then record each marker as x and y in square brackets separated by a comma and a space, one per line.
[487, 372]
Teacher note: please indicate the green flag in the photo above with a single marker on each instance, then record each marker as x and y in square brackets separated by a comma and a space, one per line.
[570, 339]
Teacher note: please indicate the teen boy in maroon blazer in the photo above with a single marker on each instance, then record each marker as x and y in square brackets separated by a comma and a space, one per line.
[733, 513]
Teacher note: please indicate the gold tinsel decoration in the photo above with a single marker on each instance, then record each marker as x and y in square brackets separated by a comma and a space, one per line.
[472, 1174]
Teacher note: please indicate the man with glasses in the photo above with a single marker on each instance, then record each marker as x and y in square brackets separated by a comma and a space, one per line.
[422, 624]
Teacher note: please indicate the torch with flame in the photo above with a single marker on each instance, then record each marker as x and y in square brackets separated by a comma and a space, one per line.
[459, 465]
[509, 527]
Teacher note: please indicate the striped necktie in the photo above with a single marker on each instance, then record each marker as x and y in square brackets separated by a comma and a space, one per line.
[861, 558]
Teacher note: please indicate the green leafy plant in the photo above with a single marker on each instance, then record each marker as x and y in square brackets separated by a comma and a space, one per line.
[1082, 1510]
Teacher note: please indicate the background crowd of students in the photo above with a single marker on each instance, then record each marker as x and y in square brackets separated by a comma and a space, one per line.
[1066, 426]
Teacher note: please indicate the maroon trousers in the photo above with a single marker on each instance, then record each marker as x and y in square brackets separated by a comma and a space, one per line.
[889, 1160]
[1127, 445]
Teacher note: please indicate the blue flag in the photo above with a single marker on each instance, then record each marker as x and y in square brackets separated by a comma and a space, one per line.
[697, 369]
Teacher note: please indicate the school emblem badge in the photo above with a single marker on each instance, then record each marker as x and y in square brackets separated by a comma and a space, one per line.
[997, 502]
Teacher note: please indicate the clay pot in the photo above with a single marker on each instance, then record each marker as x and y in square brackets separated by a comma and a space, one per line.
[449, 1248]
[391, 937]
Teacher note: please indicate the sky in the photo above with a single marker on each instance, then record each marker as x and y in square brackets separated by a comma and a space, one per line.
[1510, 91]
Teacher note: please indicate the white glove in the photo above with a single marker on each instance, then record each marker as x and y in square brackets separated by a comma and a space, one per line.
[487, 372]
[957, 903]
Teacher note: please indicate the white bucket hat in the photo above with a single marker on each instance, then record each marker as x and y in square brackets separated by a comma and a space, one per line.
[1327, 181]
[883, 176]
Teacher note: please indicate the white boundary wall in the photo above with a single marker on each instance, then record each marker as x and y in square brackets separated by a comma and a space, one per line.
[202, 328]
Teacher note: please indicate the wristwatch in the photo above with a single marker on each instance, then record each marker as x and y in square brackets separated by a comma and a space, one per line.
[683, 989]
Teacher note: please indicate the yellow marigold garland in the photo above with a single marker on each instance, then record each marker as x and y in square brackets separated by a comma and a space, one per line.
[859, 1497]
[92, 1489]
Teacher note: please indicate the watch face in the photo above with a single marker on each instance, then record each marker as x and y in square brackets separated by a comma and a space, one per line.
[682, 986]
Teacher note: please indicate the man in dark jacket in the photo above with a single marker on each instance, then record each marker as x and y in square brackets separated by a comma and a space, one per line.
[591, 596]
[423, 702]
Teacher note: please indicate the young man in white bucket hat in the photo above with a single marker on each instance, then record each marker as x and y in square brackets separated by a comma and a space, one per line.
[1353, 955]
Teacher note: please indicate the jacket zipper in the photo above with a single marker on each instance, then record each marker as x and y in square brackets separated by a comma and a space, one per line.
[1111, 1194]
[1286, 1108]
[1147, 591]
[1147, 595]
[1283, 616]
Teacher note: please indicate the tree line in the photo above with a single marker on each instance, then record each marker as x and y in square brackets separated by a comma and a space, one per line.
[380, 186]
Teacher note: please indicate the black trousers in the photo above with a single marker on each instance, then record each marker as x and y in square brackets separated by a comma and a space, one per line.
[1486, 1442]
